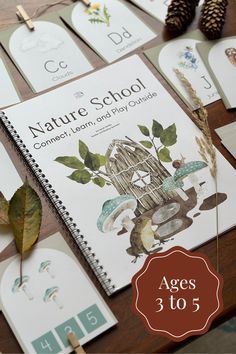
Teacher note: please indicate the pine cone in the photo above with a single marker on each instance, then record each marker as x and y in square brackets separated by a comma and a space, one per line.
[213, 18]
[180, 14]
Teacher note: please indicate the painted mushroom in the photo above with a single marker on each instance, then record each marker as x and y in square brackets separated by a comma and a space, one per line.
[170, 185]
[22, 285]
[45, 267]
[52, 294]
[117, 213]
[188, 170]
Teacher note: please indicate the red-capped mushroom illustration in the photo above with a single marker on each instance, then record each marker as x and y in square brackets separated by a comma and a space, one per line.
[21, 285]
[51, 294]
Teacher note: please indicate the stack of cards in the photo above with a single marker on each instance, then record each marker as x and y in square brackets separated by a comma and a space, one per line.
[227, 133]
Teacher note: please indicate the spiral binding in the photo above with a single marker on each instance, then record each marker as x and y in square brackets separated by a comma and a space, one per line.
[78, 237]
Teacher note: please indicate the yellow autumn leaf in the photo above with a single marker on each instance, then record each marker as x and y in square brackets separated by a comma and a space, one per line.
[25, 216]
[4, 206]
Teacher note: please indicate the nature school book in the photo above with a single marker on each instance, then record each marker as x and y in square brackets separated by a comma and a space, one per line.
[118, 158]
[109, 27]
[181, 53]
[47, 56]
[56, 296]
[156, 8]
[8, 92]
[10, 181]
[220, 58]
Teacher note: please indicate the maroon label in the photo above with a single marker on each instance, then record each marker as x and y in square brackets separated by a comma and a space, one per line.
[177, 293]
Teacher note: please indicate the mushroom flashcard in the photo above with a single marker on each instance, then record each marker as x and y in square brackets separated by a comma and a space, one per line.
[41, 325]
[21, 285]
[46, 267]
[51, 294]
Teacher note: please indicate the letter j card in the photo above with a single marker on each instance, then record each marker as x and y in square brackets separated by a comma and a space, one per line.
[109, 27]
[47, 56]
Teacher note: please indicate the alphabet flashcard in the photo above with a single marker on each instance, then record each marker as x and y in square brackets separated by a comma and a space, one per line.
[47, 56]
[182, 54]
[109, 27]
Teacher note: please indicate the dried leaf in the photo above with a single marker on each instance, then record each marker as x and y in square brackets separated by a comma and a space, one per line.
[25, 215]
[4, 206]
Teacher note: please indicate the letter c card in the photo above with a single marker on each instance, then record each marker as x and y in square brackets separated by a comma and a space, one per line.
[109, 27]
[47, 56]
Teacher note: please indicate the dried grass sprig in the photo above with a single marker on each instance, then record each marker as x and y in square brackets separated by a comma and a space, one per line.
[200, 117]
[206, 148]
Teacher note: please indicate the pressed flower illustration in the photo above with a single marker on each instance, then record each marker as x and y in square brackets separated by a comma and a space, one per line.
[98, 15]
[189, 61]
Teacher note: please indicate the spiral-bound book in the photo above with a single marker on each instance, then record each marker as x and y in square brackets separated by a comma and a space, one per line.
[118, 158]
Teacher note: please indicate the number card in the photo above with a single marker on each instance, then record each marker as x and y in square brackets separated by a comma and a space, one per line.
[182, 54]
[47, 56]
[56, 291]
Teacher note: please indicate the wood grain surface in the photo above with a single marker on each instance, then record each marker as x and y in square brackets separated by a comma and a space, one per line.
[130, 335]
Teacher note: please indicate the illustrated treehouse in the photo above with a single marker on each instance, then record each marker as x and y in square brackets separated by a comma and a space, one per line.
[133, 170]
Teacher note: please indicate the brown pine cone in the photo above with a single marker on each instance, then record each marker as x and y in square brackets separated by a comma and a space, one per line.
[213, 18]
[180, 14]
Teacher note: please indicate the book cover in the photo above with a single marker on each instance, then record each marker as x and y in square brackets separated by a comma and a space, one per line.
[120, 154]
[56, 295]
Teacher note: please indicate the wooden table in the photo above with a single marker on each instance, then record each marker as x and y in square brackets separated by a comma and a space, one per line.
[129, 336]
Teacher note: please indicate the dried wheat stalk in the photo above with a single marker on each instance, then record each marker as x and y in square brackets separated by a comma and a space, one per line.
[205, 144]
[206, 148]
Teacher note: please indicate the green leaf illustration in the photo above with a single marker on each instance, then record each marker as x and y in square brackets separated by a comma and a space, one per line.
[70, 161]
[147, 144]
[102, 159]
[25, 215]
[4, 206]
[106, 15]
[157, 129]
[164, 155]
[82, 177]
[99, 181]
[95, 20]
[92, 161]
[83, 149]
[144, 130]
[168, 136]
